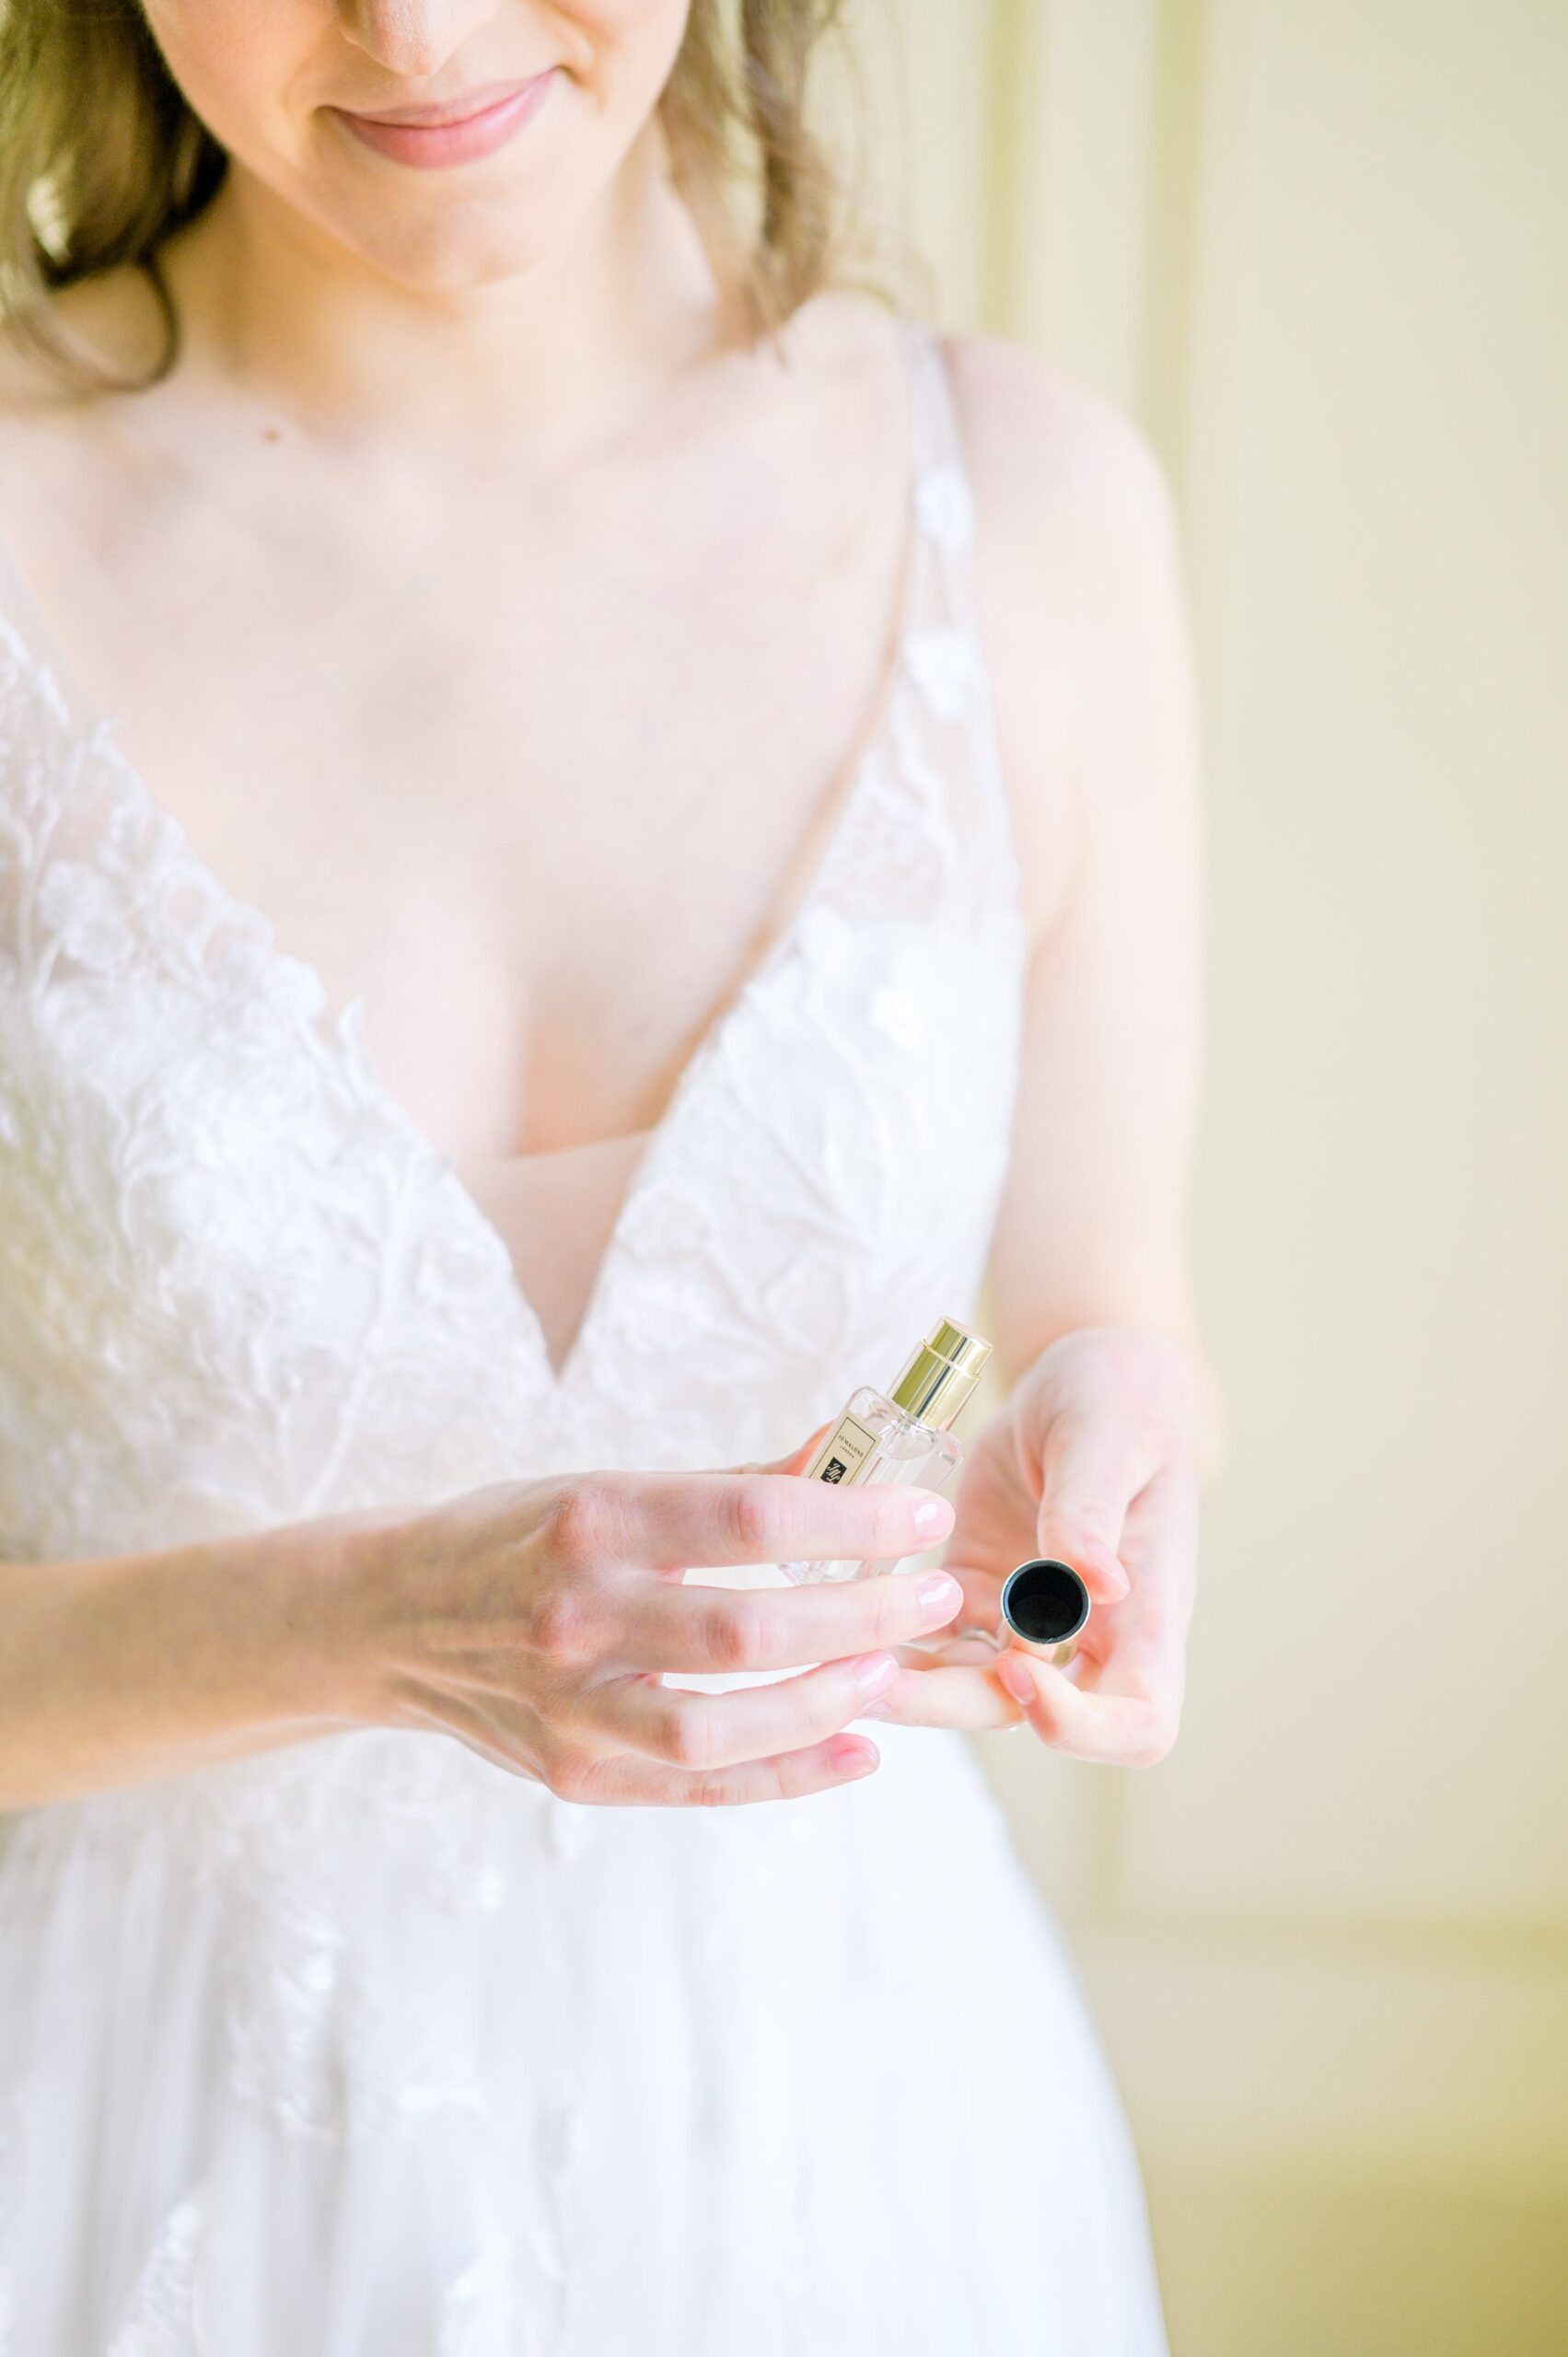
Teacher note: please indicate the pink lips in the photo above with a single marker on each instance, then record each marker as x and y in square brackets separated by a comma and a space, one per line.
[458, 131]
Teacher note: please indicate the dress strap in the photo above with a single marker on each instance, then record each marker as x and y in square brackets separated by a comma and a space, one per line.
[943, 439]
[945, 651]
[944, 499]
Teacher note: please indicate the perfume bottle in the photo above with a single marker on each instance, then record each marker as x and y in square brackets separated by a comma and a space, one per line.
[902, 1436]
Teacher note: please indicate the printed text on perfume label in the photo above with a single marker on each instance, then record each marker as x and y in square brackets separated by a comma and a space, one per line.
[845, 1453]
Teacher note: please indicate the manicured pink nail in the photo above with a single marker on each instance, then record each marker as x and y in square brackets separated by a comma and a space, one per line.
[933, 1519]
[873, 1673]
[940, 1594]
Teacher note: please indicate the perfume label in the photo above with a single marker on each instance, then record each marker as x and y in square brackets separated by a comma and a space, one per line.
[845, 1454]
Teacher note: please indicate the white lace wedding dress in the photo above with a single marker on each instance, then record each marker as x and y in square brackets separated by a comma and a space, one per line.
[363, 2047]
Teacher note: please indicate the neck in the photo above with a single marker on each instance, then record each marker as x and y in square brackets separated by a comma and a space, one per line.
[551, 358]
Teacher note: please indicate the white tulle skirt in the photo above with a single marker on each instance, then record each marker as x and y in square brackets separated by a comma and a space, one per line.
[368, 2049]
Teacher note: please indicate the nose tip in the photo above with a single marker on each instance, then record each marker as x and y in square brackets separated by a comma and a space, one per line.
[412, 38]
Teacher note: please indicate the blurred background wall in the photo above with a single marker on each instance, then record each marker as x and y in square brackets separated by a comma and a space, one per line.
[1319, 249]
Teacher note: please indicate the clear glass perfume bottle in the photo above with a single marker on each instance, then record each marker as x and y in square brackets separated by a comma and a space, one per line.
[902, 1435]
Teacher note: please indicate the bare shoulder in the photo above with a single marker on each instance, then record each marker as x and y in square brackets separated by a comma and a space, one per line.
[1050, 456]
[1081, 598]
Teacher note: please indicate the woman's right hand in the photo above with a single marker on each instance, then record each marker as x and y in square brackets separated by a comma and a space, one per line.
[535, 1620]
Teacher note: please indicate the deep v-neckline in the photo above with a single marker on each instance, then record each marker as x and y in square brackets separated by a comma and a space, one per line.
[335, 1030]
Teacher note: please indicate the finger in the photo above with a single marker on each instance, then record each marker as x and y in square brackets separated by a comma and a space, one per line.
[670, 1521]
[702, 1731]
[982, 1587]
[1144, 1641]
[627, 1780]
[1091, 1469]
[1162, 1543]
[947, 1695]
[1117, 1730]
[957, 1645]
[691, 1627]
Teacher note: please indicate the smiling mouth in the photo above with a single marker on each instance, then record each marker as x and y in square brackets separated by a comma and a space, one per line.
[449, 131]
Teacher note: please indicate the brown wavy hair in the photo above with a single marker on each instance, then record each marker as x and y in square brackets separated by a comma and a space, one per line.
[101, 160]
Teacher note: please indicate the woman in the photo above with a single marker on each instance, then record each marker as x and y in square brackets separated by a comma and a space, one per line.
[673, 994]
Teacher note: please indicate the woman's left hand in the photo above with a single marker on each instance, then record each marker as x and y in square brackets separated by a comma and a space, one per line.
[1092, 1460]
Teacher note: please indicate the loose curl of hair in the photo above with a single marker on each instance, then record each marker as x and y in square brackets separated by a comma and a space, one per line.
[101, 160]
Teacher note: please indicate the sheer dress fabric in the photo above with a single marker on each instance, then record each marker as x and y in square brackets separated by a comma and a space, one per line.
[363, 2047]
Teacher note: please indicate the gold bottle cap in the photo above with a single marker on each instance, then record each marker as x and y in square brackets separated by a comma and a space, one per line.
[940, 1373]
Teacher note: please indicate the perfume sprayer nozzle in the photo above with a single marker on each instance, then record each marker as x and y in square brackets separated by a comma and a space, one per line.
[940, 1373]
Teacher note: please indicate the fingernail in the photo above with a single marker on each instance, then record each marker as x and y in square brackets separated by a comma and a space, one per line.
[933, 1519]
[883, 1710]
[940, 1595]
[848, 1758]
[1015, 1679]
[875, 1672]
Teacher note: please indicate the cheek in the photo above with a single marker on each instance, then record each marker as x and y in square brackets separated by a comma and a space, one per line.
[633, 44]
[236, 62]
[660, 22]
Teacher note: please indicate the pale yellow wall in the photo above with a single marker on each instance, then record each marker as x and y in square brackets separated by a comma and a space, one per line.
[1320, 247]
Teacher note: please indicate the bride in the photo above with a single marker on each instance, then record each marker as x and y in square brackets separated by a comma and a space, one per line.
[595, 828]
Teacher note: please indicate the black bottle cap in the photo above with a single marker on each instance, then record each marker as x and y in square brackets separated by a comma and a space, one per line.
[1044, 1602]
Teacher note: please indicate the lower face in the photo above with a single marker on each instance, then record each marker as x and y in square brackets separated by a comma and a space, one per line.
[450, 143]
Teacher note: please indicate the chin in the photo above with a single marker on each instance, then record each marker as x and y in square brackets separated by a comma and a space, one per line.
[448, 258]
[436, 246]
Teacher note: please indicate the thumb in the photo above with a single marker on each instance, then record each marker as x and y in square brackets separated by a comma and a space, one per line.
[1083, 1502]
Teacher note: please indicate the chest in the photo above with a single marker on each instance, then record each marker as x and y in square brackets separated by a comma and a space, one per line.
[774, 869]
[236, 1279]
[220, 1205]
[532, 776]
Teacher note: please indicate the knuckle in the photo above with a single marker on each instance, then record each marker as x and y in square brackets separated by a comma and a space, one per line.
[753, 1520]
[681, 1739]
[710, 1790]
[559, 1623]
[730, 1636]
[580, 1522]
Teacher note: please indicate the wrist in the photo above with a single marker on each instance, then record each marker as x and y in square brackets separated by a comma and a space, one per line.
[312, 1592]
